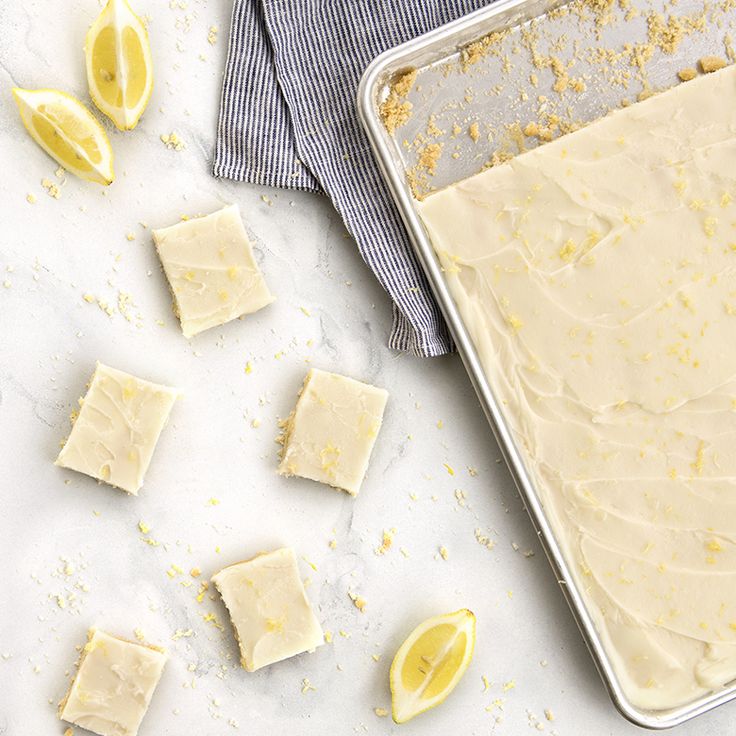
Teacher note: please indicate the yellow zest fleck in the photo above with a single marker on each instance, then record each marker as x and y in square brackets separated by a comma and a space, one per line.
[709, 226]
[358, 602]
[567, 252]
[515, 321]
[697, 466]
[210, 618]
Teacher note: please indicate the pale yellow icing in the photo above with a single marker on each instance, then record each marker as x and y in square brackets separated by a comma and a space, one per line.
[330, 434]
[597, 278]
[212, 271]
[119, 423]
[268, 608]
[112, 689]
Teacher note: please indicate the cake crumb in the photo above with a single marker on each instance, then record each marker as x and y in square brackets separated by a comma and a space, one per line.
[473, 132]
[395, 111]
[51, 189]
[358, 601]
[387, 540]
[710, 64]
[380, 712]
[687, 74]
[172, 141]
[430, 156]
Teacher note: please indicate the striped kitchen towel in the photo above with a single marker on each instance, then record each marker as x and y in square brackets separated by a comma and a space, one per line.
[288, 119]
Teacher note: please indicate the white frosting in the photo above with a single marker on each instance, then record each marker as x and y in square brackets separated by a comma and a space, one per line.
[119, 423]
[269, 609]
[113, 686]
[597, 278]
[330, 434]
[211, 269]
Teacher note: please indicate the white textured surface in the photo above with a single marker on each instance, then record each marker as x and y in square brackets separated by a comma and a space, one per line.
[59, 250]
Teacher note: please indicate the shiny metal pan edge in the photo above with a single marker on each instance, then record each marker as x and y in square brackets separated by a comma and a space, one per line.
[419, 52]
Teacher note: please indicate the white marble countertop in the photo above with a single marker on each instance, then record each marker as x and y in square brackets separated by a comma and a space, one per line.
[56, 522]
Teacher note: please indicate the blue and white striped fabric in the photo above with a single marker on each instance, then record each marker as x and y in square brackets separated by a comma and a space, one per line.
[288, 119]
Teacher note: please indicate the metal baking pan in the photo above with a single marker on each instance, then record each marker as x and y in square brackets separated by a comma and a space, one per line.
[433, 56]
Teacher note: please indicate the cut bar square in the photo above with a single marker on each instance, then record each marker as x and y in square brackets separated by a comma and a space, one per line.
[211, 270]
[119, 423]
[268, 608]
[113, 686]
[330, 434]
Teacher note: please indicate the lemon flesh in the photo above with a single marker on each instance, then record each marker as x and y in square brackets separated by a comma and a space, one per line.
[67, 131]
[430, 663]
[119, 65]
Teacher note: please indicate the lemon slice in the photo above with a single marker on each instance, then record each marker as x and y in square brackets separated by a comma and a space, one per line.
[119, 66]
[430, 663]
[67, 131]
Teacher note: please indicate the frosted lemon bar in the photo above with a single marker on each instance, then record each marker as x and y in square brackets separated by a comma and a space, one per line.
[597, 277]
[117, 428]
[211, 270]
[113, 686]
[268, 608]
[330, 434]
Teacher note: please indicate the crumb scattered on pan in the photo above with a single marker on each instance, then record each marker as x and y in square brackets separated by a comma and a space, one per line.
[395, 110]
[711, 64]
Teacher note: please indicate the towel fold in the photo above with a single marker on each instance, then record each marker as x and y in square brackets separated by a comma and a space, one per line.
[288, 119]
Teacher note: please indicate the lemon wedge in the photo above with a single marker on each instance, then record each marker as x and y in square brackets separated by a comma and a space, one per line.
[430, 663]
[119, 66]
[67, 131]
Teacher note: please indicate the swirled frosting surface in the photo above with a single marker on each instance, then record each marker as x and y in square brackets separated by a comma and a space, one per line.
[597, 278]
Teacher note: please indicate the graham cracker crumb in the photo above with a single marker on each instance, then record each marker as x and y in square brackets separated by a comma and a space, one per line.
[429, 157]
[710, 64]
[395, 111]
[474, 52]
